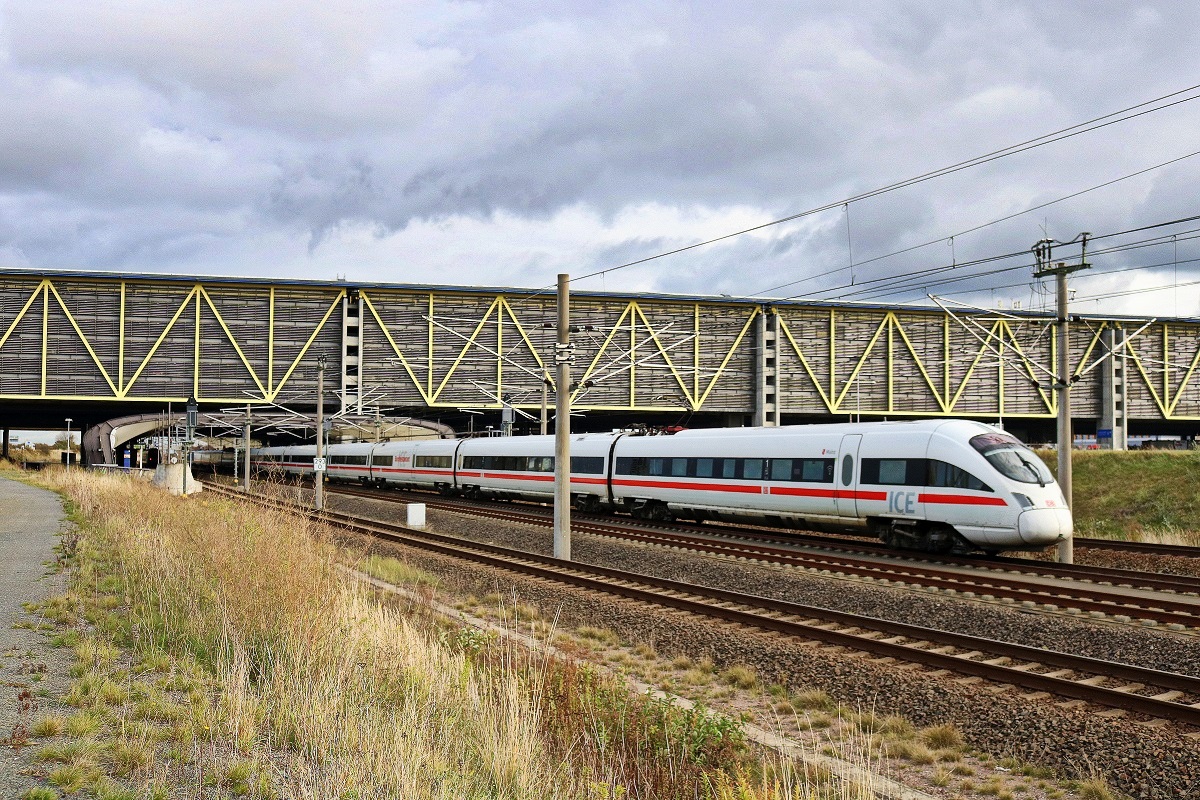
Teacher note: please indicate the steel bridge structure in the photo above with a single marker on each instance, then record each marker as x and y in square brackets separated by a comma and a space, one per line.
[119, 343]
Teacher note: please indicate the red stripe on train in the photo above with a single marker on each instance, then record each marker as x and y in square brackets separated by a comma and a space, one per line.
[961, 500]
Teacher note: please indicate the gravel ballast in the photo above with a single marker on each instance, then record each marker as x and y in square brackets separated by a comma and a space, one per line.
[1145, 761]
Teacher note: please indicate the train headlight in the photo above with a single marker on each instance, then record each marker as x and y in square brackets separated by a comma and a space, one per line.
[1023, 499]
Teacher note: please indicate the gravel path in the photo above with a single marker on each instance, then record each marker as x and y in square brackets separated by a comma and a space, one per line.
[30, 521]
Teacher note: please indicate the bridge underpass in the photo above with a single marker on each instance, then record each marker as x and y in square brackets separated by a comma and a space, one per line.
[96, 346]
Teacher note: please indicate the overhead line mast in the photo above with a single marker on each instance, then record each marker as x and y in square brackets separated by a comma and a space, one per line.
[1063, 380]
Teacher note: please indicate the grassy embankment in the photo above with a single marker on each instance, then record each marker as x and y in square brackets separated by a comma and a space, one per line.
[1142, 495]
[220, 646]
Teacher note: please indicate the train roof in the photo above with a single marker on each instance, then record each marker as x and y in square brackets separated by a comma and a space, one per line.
[841, 428]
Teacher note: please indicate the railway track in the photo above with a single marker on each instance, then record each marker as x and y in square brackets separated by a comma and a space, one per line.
[1149, 548]
[850, 542]
[1100, 590]
[1152, 693]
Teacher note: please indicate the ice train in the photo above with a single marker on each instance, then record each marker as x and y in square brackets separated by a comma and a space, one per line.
[934, 485]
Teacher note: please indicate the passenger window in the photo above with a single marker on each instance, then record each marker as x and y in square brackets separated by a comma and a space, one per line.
[781, 469]
[729, 467]
[753, 471]
[814, 470]
[892, 471]
[679, 467]
[704, 468]
[656, 466]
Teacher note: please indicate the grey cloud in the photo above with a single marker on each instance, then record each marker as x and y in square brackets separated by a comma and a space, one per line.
[141, 136]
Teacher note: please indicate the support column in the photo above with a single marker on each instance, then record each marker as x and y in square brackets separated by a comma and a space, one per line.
[766, 390]
[1112, 428]
[351, 344]
[4, 447]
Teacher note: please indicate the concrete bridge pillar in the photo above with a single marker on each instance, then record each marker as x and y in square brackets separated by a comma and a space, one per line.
[4, 447]
[351, 341]
[1112, 423]
[766, 394]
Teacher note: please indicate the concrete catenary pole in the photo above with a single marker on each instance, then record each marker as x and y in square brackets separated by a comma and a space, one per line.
[246, 450]
[545, 392]
[319, 475]
[1063, 378]
[1066, 438]
[562, 425]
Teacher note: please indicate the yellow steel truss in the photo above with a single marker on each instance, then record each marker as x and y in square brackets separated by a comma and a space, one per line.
[889, 343]
[197, 297]
[893, 326]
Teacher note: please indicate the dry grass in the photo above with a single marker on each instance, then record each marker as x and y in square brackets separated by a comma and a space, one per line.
[226, 640]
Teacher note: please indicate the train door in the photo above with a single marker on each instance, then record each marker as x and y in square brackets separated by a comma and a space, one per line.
[845, 475]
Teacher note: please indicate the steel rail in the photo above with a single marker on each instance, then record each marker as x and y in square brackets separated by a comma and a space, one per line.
[799, 622]
[1178, 550]
[1181, 584]
[1159, 609]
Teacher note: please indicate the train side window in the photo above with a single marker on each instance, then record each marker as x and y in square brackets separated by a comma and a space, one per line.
[950, 476]
[587, 465]
[813, 470]
[894, 471]
[753, 470]
[679, 467]
[704, 467]
[847, 469]
[656, 466]
[631, 466]
[781, 469]
[381, 461]
[729, 467]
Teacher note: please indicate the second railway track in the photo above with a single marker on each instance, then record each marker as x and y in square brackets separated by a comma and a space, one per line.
[1101, 590]
[1151, 693]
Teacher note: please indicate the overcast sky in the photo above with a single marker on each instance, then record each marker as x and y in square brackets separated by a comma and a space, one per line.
[500, 143]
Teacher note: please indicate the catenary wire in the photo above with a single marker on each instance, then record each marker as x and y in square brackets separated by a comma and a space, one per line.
[896, 284]
[1087, 126]
[951, 237]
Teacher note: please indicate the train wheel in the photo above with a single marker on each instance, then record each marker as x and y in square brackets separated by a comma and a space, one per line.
[660, 513]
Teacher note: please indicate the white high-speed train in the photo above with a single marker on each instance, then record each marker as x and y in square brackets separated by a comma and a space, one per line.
[936, 485]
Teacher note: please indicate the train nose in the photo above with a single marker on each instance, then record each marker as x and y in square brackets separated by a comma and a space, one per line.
[1044, 525]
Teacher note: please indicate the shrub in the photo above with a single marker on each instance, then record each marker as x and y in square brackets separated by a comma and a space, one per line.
[941, 736]
[740, 676]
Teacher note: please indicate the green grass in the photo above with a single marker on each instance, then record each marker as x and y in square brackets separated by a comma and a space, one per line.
[396, 572]
[1139, 495]
[40, 793]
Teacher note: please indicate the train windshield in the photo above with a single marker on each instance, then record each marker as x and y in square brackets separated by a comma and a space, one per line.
[1012, 458]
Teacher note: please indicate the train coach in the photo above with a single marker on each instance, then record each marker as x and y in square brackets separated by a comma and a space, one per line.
[940, 485]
